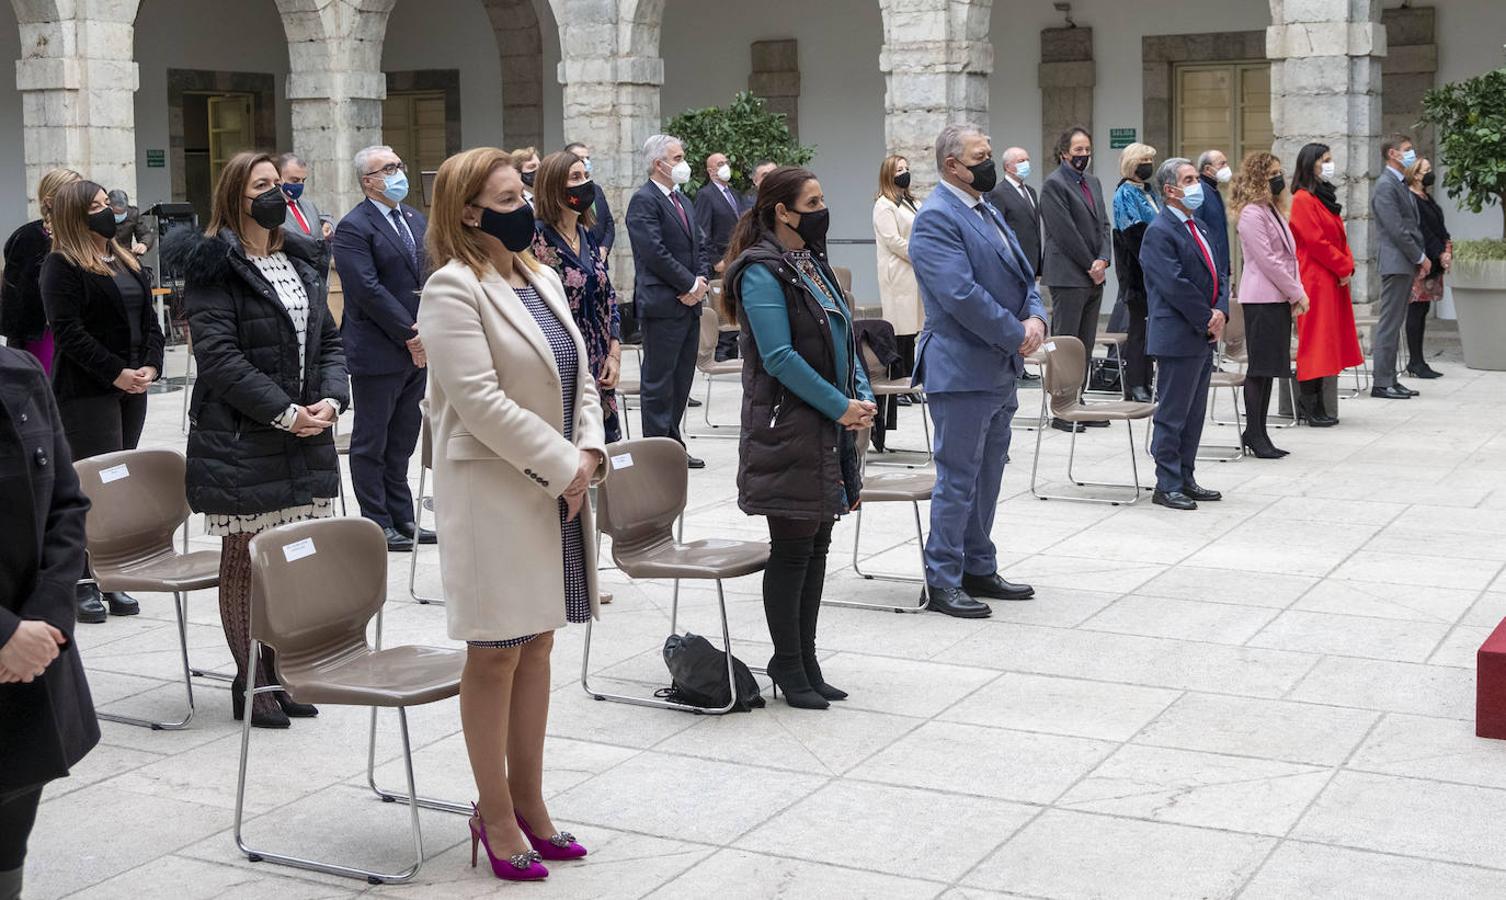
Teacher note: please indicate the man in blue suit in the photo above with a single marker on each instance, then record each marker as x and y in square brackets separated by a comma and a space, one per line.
[717, 210]
[379, 253]
[669, 282]
[1188, 304]
[982, 312]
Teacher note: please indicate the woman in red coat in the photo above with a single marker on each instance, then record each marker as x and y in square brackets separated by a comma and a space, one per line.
[1327, 342]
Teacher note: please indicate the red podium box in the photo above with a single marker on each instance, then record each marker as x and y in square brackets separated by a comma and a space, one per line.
[1490, 690]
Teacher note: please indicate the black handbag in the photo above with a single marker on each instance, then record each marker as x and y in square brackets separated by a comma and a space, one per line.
[1105, 376]
[698, 673]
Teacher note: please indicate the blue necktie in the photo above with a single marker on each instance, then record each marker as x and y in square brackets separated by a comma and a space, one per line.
[397, 221]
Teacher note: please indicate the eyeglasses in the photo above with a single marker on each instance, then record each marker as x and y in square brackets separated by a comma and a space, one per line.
[389, 169]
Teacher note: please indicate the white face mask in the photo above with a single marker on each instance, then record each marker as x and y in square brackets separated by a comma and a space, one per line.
[1224, 175]
[724, 172]
[1326, 171]
[679, 173]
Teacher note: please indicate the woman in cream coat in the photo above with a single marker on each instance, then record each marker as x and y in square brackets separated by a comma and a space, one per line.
[893, 217]
[518, 438]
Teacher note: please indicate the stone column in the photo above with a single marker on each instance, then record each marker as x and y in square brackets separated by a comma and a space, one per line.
[611, 71]
[936, 60]
[1326, 87]
[335, 89]
[1067, 74]
[776, 78]
[516, 25]
[78, 79]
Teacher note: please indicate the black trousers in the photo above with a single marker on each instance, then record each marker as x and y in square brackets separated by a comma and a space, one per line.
[1137, 367]
[905, 344]
[793, 583]
[1075, 312]
[382, 439]
[668, 374]
[1417, 324]
[18, 812]
[103, 424]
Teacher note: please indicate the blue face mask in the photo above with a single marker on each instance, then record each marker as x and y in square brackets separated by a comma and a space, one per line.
[1409, 159]
[587, 163]
[1192, 195]
[294, 191]
[1022, 170]
[396, 187]
[120, 217]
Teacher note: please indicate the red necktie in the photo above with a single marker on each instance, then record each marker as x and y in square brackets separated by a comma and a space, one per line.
[1206, 258]
[298, 214]
[679, 209]
[1087, 195]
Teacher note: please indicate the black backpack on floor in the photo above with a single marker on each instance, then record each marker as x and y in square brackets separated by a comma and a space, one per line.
[699, 675]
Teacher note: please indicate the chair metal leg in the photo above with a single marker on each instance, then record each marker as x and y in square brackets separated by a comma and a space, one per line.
[418, 522]
[387, 796]
[1136, 488]
[180, 606]
[659, 702]
[706, 416]
[857, 535]
[1286, 421]
[1231, 453]
[926, 457]
[187, 382]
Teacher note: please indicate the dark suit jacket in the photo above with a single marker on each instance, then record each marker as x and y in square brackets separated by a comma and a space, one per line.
[49, 724]
[666, 254]
[1077, 233]
[1215, 221]
[605, 230]
[1179, 289]
[88, 318]
[716, 219]
[381, 283]
[133, 229]
[1024, 218]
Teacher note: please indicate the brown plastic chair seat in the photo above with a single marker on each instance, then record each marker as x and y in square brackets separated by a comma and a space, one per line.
[194, 571]
[898, 487]
[725, 367]
[1038, 357]
[1113, 337]
[1223, 379]
[1114, 410]
[700, 560]
[884, 387]
[402, 676]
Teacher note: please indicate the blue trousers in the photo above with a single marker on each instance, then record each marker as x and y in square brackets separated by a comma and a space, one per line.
[382, 439]
[1181, 407]
[972, 444]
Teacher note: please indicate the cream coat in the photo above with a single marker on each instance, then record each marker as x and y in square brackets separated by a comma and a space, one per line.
[501, 461]
[898, 292]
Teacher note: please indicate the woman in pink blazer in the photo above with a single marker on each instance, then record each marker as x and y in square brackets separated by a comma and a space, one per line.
[1269, 289]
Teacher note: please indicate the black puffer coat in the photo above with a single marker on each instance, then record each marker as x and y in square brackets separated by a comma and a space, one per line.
[245, 348]
[22, 317]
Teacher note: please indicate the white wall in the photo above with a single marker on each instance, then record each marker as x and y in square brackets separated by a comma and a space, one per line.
[452, 34]
[1470, 34]
[13, 188]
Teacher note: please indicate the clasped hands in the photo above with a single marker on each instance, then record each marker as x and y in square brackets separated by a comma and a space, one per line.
[575, 491]
[135, 381]
[30, 650]
[1099, 271]
[311, 420]
[859, 415]
[415, 347]
[696, 293]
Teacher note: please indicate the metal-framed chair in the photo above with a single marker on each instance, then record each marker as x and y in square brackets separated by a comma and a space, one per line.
[188, 375]
[638, 506]
[1220, 380]
[884, 386]
[420, 500]
[628, 389]
[1037, 359]
[1061, 382]
[138, 504]
[314, 588]
[342, 448]
[706, 363]
[889, 487]
[1115, 341]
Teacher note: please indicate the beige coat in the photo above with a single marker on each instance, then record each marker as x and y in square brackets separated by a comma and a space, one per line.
[501, 461]
[898, 291]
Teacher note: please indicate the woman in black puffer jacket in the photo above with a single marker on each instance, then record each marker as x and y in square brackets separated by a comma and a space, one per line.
[271, 383]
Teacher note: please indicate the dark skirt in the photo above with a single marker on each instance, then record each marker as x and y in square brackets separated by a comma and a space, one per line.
[1268, 338]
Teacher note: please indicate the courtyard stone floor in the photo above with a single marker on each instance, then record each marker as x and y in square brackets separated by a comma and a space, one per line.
[1271, 697]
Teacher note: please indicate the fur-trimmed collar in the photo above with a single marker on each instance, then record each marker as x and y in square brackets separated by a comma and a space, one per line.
[202, 258]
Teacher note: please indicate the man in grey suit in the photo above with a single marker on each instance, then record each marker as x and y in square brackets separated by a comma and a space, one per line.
[1402, 256]
[1077, 245]
[302, 215]
[1020, 204]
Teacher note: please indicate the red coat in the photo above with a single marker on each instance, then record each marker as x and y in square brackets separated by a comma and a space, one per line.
[1327, 342]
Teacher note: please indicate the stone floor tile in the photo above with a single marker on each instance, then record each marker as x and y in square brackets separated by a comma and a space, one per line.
[828, 742]
[1085, 574]
[1488, 611]
[1387, 600]
[1270, 729]
[1440, 749]
[1461, 647]
[1191, 620]
[1070, 706]
[902, 687]
[1339, 512]
[1410, 816]
[740, 875]
[1423, 571]
[1390, 687]
[1373, 638]
[1302, 871]
[1224, 585]
[194, 879]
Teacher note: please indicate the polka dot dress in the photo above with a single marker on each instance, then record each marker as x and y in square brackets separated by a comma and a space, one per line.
[572, 538]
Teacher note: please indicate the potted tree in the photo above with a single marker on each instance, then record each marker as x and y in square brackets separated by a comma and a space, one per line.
[745, 130]
[1471, 120]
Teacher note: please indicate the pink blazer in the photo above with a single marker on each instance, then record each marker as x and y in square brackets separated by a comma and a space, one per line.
[1270, 257]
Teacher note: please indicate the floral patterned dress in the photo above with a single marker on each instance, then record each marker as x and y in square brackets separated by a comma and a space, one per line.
[593, 303]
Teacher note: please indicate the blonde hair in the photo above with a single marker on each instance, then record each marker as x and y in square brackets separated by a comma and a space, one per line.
[549, 190]
[1252, 184]
[230, 189]
[1132, 156]
[457, 184]
[1414, 172]
[523, 155]
[887, 187]
[71, 236]
[48, 187]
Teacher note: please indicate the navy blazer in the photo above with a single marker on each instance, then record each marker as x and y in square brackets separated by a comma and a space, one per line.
[381, 282]
[604, 232]
[1215, 221]
[1179, 288]
[978, 293]
[716, 218]
[666, 254]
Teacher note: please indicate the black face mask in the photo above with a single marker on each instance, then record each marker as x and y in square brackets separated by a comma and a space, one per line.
[1080, 163]
[528, 178]
[902, 181]
[985, 176]
[1278, 184]
[1428, 179]
[1144, 171]
[514, 229]
[269, 209]
[579, 197]
[813, 226]
[103, 224]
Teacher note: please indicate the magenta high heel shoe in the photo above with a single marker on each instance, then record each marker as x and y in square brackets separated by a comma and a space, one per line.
[518, 867]
[560, 846]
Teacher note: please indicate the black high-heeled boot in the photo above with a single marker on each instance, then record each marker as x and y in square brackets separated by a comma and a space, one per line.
[1310, 405]
[783, 582]
[260, 717]
[1257, 404]
[788, 675]
[810, 613]
[290, 708]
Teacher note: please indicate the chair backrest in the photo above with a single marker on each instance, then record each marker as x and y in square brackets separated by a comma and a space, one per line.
[871, 362]
[645, 493]
[844, 279]
[1234, 331]
[138, 501]
[711, 330]
[314, 586]
[1062, 378]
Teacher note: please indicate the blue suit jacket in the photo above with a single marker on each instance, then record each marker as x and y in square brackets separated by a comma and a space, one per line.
[977, 292]
[1179, 288]
[666, 254]
[381, 283]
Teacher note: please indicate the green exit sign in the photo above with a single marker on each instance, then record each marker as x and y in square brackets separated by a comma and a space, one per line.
[156, 159]
[1119, 138]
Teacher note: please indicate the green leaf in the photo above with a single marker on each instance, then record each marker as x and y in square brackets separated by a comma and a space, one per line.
[745, 130]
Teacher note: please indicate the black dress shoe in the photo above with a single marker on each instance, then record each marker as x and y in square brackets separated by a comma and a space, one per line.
[903, 400]
[1401, 387]
[121, 603]
[1029, 376]
[955, 602]
[1068, 427]
[1172, 500]
[1394, 392]
[91, 609]
[692, 402]
[397, 542]
[994, 587]
[424, 536]
[1423, 370]
[1195, 491]
[692, 462]
[1097, 423]
[1141, 395]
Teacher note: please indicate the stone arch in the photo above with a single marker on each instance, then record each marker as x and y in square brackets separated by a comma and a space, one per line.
[520, 43]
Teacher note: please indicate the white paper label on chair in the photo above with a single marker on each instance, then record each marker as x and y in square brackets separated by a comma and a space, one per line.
[1050, 346]
[114, 473]
[299, 549]
[623, 461]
